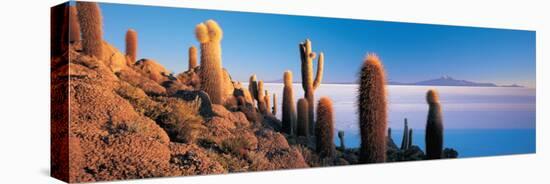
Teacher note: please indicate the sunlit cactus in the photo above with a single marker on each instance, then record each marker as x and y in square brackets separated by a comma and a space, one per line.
[261, 97]
[434, 127]
[192, 58]
[303, 118]
[267, 102]
[89, 17]
[405, 140]
[324, 128]
[310, 84]
[341, 137]
[372, 104]
[131, 45]
[209, 34]
[74, 26]
[289, 112]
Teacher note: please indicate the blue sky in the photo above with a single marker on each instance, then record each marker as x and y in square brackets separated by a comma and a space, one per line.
[267, 45]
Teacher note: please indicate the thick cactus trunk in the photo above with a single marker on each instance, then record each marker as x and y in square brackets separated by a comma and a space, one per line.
[309, 84]
[289, 112]
[89, 17]
[131, 46]
[325, 128]
[434, 127]
[74, 26]
[274, 108]
[410, 140]
[303, 117]
[372, 111]
[209, 35]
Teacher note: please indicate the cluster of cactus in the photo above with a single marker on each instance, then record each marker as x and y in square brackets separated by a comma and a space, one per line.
[209, 34]
[303, 118]
[131, 46]
[324, 128]
[289, 112]
[192, 58]
[434, 127]
[74, 26]
[262, 97]
[372, 110]
[309, 84]
[89, 17]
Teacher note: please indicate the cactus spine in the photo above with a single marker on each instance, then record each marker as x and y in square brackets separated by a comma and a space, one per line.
[209, 34]
[405, 140]
[192, 58]
[434, 127]
[324, 128]
[274, 108]
[289, 112]
[89, 17]
[74, 26]
[372, 111]
[303, 118]
[341, 136]
[309, 84]
[131, 45]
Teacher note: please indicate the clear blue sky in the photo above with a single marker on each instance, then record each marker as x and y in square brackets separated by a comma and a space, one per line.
[267, 45]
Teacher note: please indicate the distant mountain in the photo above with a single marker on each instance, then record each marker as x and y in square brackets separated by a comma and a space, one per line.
[442, 81]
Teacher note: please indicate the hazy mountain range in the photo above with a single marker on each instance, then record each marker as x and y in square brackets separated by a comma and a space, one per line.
[442, 81]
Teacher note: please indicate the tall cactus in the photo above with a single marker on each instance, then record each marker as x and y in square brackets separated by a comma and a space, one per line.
[372, 111]
[289, 112]
[89, 17]
[74, 26]
[303, 118]
[309, 84]
[192, 58]
[341, 137]
[405, 140]
[324, 128]
[131, 46]
[274, 108]
[209, 34]
[434, 127]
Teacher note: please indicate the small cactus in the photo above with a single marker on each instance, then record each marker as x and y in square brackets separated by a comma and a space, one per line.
[253, 87]
[261, 97]
[372, 111]
[274, 108]
[74, 26]
[410, 139]
[192, 58]
[131, 45]
[209, 34]
[310, 84]
[267, 102]
[434, 127]
[324, 128]
[289, 112]
[405, 140]
[303, 118]
[89, 17]
[341, 136]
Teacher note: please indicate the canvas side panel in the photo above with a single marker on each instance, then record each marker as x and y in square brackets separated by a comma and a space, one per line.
[59, 145]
